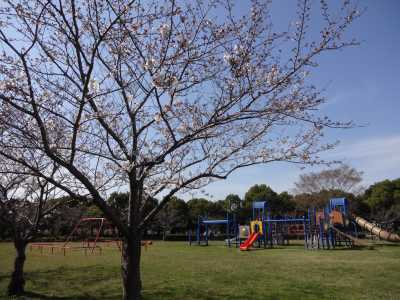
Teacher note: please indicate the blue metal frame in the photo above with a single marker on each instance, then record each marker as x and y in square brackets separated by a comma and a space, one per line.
[262, 213]
[314, 235]
[230, 223]
[341, 204]
[326, 237]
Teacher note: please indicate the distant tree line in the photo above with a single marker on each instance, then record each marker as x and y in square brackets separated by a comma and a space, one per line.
[379, 202]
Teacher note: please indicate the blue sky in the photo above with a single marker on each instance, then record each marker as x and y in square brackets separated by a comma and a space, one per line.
[362, 84]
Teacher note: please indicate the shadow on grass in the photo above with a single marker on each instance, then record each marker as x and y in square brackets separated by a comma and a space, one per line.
[197, 294]
[33, 295]
[166, 293]
[81, 283]
[94, 282]
[5, 277]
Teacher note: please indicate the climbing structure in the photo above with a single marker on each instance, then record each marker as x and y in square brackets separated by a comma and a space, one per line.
[331, 227]
[266, 231]
[327, 228]
[258, 228]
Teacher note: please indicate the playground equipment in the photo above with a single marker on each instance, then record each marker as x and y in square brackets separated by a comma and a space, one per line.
[328, 228]
[203, 232]
[269, 231]
[334, 226]
[375, 230]
[258, 227]
[331, 227]
[250, 241]
[325, 229]
[262, 230]
[89, 233]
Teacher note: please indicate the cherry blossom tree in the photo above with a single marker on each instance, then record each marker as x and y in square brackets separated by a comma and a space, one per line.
[24, 202]
[160, 97]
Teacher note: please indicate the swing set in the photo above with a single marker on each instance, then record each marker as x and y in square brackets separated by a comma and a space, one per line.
[89, 235]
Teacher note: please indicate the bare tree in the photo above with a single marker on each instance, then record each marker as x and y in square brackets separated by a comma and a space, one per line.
[160, 96]
[343, 178]
[23, 205]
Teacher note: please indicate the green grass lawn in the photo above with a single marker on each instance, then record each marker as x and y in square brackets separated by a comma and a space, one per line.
[173, 270]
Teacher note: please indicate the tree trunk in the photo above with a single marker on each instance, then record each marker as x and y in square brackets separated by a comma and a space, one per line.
[132, 284]
[17, 283]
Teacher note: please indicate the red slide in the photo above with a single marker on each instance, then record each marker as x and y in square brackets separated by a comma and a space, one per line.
[249, 242]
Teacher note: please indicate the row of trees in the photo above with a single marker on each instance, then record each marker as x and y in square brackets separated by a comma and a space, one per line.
[379, 202]
[177, 217]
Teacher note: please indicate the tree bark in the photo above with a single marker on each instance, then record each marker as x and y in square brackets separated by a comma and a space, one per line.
[132, 283]
[17, 283]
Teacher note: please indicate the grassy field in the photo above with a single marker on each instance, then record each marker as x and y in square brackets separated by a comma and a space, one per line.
[173, 270]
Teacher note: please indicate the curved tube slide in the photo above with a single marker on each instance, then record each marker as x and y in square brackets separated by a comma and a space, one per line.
[379, 232]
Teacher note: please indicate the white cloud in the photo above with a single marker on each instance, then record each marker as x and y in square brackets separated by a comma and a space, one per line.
[378, 157]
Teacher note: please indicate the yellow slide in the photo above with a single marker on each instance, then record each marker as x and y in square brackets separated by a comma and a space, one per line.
[379, 232]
